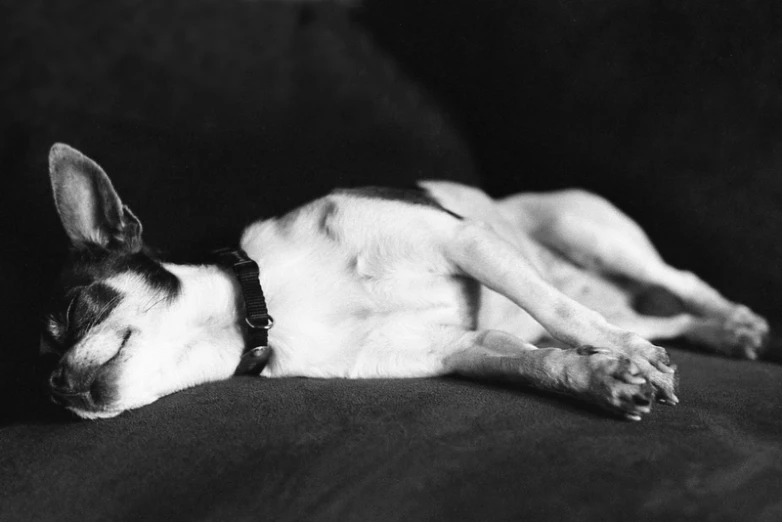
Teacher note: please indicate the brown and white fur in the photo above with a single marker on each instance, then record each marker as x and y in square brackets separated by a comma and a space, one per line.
[362, 285]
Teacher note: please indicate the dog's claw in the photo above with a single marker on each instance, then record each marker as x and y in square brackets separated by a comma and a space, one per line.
[669, 401]
[656, 367]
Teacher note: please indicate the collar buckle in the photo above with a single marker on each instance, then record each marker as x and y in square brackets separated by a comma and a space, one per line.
[253, 322]
[257, 352]
[253, 361]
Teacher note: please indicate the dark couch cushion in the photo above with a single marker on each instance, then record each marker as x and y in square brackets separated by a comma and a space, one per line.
[401, 450]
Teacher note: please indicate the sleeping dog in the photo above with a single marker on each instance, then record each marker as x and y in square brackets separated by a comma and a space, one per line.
[534, 288]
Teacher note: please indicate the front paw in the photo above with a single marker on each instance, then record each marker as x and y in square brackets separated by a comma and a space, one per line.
[655, 365]
[612, 381]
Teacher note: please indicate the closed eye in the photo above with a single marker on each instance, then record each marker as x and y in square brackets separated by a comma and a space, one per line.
[69, 311]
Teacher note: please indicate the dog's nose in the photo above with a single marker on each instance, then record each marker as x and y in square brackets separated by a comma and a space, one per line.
[62, 382]
[58, 380]
[67, 389]
[78, 388]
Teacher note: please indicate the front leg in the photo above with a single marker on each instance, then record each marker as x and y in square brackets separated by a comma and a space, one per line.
[602, 377]
[479, 252]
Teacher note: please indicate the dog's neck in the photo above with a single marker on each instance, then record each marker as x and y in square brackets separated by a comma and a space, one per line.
[213, 300]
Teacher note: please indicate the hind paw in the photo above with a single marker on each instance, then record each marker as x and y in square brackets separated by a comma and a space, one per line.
[744, 333]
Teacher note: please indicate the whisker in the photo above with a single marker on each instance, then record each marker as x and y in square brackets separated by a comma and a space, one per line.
[153, 305]
[109, 304]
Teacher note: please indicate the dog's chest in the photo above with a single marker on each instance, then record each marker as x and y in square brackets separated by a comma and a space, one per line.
[346, 284]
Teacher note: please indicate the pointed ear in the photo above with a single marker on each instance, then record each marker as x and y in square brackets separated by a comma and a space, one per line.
[88, 205]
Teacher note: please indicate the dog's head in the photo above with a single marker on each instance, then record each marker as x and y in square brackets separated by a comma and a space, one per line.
[125, 327]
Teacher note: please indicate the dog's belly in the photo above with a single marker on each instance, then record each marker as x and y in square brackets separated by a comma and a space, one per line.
[360, 292]
[370, 327]
[497, 312]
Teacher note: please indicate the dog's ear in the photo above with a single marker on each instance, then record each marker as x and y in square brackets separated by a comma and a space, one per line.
[89, 207]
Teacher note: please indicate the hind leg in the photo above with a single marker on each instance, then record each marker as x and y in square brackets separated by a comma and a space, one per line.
[593, 233]
[477, 251]
[705, 332]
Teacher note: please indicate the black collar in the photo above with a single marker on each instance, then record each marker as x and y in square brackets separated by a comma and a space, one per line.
[256, 352]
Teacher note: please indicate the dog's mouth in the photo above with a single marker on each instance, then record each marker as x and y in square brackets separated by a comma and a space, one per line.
[83, 404]
[95, 414]
[73, 399]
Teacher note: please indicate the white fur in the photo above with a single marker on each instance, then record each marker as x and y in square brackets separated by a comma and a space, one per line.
[193, 339]
[355, 287]
[357, 290]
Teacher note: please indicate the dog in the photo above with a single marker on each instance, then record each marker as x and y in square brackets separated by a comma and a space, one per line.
[536, 289]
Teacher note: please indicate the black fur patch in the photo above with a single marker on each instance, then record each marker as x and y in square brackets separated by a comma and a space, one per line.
[89, 265]
[412, 196]
[81, 300]
[90, 306]
[324, 223]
